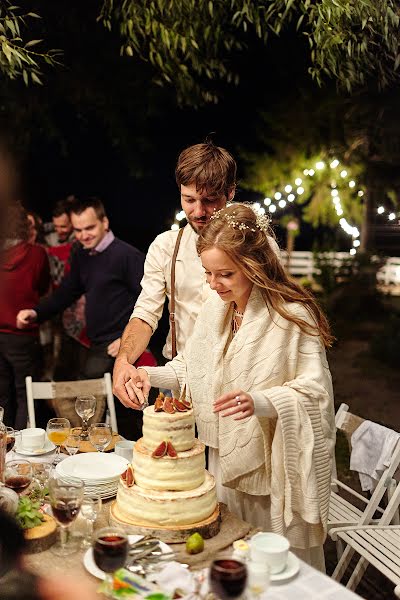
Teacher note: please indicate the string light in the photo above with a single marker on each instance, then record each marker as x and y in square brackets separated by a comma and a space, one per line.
[351, 230]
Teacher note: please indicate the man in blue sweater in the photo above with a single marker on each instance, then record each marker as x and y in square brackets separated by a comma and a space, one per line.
[108, 271]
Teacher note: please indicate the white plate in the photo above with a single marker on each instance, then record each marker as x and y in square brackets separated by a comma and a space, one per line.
[291, 569]
[48, 447]
[93, 569]
[93, 467]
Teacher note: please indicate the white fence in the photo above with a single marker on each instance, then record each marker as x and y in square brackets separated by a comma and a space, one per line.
[302, 265]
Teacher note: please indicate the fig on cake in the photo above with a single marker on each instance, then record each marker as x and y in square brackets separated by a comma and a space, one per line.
[168, 405]
[178, 405]
[172, 453]
[160, 451]
[159, 403]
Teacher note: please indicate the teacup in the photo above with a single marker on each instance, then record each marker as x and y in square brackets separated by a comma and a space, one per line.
[271, 549]
[125, 448]
[33, 439]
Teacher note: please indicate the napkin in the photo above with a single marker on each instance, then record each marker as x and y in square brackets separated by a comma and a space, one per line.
[177, 581]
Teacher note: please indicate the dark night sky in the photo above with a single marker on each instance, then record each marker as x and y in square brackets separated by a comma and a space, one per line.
[99, 125]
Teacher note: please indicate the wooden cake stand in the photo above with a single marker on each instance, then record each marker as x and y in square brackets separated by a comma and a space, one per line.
[208, 528]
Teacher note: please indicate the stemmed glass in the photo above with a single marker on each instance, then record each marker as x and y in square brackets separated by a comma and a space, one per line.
[57, 431]
[85, 407]
[90, 510]
[18, 475]
[41, 476]
[65, 499]
[72, 443]
[100, 436]
[110, 551]
[227, 578]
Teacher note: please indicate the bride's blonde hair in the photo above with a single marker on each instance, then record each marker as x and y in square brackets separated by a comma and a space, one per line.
[243, 235]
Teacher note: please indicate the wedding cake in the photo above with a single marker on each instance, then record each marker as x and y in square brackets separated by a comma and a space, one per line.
[167, 484]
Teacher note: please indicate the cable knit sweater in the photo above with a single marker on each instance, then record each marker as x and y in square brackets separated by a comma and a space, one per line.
[288, 456]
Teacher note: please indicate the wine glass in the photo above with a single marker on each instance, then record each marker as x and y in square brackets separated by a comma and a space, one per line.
[90, 510]
[41, 476]
[57, 431]
[65, 499]
[72, 443]
[227, 578]
[85, 407]
[110, 551]
[10, 439]
[100, 436]
[18, 475]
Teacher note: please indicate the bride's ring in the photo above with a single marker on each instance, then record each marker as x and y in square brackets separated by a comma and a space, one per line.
[237, 398]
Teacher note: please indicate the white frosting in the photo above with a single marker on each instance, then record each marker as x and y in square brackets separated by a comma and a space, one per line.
[185, 472]
[167, 508]
[177, 428]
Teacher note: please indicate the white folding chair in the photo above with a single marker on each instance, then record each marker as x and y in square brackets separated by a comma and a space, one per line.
[355, 509]
[378, 545]
[61, 390]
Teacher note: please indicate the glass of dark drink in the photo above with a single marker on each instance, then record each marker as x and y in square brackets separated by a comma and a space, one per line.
[110, 551]
[10, 439]
[18, 475]
[66, 497]
[227, 578]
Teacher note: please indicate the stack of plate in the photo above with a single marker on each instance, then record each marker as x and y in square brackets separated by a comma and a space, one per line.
[100, 472]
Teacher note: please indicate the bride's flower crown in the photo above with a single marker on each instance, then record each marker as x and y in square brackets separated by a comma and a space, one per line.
[262, 221]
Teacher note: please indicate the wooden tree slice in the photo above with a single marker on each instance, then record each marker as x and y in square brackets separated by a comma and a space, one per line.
[86, 446]
[41, 537]
[208, 528]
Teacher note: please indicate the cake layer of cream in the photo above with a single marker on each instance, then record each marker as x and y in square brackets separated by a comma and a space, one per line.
[177, 428]
[185, 472]
[151, 508]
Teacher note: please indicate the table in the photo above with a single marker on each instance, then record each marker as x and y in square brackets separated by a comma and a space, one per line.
[308, 584]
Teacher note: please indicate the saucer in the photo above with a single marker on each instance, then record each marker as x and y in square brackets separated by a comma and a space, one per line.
[291, 569]
[48, 447]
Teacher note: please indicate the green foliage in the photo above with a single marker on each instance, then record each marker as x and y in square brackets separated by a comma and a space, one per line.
[385, 345]
[269, 174]
[17, 59]
[28, 514]
[190, 42]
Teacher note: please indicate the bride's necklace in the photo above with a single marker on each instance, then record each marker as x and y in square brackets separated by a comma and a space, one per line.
[237, 318]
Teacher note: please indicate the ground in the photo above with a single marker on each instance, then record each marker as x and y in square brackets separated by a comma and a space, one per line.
[372, 391]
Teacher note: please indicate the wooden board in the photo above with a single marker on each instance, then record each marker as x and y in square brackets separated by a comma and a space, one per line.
[41, 537]
[208, 528]
[86, 446]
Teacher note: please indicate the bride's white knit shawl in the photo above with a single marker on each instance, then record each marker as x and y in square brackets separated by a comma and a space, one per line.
[290, 457]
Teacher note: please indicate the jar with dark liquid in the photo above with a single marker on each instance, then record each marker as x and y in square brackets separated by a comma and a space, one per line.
[227, 578]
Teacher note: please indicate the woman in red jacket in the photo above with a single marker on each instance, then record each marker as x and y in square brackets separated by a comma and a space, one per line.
[24, 277]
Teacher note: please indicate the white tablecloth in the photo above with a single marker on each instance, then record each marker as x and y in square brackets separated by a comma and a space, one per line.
[308, 584]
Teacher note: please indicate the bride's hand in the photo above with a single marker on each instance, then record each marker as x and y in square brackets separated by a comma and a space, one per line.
[138, 389]
[235, 403]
